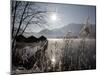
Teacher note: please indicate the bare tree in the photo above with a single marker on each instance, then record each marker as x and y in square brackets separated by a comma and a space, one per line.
[22, 14]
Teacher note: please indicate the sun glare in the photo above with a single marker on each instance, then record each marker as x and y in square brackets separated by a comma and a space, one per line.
[53, 17]
[53, 60]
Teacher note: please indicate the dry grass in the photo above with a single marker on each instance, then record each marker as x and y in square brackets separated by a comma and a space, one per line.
[65, 55]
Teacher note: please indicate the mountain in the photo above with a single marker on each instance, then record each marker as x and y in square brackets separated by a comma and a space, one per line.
[31, 39]
[28, 34]
[45, 31]
[42, 38]
[61, 32]
[74, 28]
[20, 38]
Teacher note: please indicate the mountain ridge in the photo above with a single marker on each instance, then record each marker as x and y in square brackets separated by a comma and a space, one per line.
[60, 32]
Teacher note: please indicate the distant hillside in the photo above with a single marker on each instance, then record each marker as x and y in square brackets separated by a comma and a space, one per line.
[60, 32]
[73, 28]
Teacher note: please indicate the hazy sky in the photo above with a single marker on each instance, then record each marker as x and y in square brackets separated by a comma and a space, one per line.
[66, 14]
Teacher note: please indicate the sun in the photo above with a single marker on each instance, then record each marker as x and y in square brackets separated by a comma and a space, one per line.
[53, 17]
